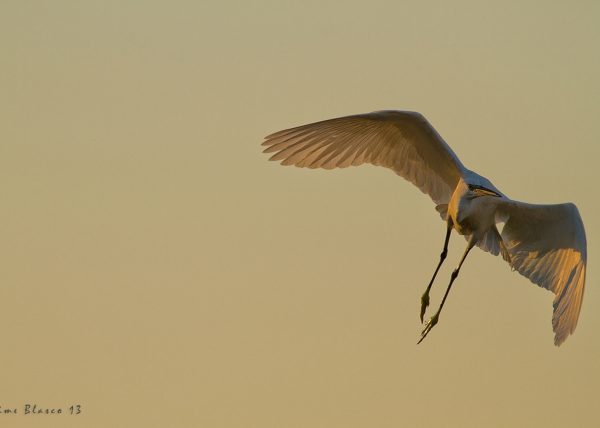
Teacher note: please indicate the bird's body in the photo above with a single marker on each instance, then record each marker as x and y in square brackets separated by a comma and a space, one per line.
[545, 243]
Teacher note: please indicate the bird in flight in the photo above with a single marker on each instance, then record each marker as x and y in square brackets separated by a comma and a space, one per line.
[545, 243]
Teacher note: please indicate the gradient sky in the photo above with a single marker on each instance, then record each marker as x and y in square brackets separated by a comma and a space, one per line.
[160, 272]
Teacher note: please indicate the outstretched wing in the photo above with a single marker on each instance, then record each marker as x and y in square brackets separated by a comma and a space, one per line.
[547, 245]
[402, 141]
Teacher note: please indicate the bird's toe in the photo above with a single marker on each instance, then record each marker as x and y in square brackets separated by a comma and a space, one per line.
[424, 305]
[430, 324]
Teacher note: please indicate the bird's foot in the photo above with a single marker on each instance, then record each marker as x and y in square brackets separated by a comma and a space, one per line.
[424, 304]
[430, 324]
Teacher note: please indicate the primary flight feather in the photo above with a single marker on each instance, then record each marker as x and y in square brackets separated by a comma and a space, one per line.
[545, 243]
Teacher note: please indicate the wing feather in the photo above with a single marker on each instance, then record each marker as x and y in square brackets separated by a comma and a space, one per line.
[547, 244]
[399, 140]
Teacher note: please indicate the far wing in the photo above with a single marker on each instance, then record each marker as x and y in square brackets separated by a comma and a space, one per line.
[547, 245]
[402, 141]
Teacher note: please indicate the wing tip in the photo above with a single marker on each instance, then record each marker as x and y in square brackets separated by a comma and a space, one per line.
[559, 338]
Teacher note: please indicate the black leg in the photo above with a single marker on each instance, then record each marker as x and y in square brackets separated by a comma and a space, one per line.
[425, 296]
[434, 319]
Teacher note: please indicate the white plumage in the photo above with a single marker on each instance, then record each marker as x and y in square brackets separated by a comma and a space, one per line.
[545, 243]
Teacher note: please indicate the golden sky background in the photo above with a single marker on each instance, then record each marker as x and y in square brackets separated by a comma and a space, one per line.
[160, 272]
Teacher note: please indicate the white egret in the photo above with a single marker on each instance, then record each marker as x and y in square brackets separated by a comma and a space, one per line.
[545, 243]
